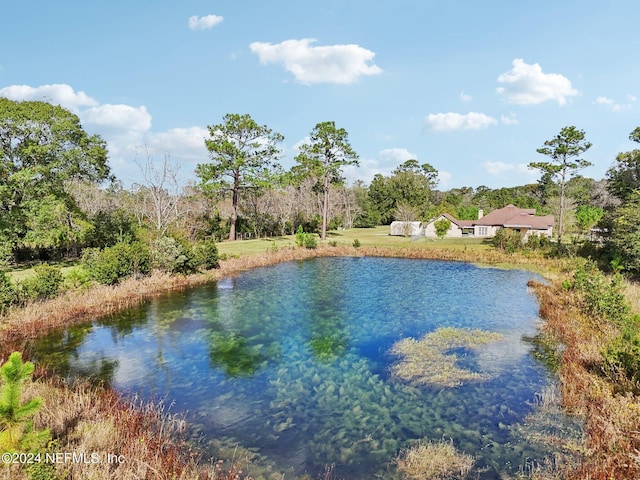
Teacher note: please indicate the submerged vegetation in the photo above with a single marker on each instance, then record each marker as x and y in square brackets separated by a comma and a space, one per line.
[430, 360]
[435, 461]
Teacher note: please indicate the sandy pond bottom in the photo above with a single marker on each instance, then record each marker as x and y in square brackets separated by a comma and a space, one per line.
[290, 366]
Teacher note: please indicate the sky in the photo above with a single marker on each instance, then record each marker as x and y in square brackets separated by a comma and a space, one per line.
[472, 88]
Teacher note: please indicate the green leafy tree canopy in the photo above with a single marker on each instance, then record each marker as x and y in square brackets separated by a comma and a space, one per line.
[323, 156]
[564, 151]
[242, 156]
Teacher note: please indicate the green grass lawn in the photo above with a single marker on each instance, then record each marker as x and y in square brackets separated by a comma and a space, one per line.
[24, 271]
[378, 236]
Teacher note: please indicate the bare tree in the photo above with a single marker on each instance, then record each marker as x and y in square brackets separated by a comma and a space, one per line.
[159, 198]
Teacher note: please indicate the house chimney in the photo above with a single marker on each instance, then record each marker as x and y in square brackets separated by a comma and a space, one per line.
[480, 213]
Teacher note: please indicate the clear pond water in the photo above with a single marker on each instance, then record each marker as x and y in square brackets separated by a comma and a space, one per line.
[290, 363]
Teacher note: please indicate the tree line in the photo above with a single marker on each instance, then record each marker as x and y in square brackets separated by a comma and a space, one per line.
[58, 195]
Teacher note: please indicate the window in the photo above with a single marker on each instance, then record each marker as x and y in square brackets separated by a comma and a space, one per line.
[482, 231]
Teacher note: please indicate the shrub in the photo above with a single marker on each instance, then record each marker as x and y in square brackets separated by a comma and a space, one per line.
[46, 282]
[310, 240]
[537, 242]
[110, 265]
[356, 243]
[78, 277]
[307, 240]
[7, 293]
[507, 240]
[171, 255]
[333, 243]
[206, 254]
[300, 235]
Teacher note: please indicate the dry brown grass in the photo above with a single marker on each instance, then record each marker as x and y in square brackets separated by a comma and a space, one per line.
[434, 461]
[612, 422]
[82, 419]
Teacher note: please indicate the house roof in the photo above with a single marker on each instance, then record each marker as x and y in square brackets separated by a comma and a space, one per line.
[452, 219]
[514, 217]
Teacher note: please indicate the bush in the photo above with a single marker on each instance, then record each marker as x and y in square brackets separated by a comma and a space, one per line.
[46, 283]
[307, 240]
[7, 293]
[110, 265]
[310, 240]
[78, 277]
[356, 243]
[172, 256]
[205, 253]
[537, 242]
[604, 299]
[507, 240]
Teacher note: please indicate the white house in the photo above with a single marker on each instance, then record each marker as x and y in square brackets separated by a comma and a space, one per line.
[523, 220]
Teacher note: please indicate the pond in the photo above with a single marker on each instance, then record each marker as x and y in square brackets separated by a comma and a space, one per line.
[290, 365]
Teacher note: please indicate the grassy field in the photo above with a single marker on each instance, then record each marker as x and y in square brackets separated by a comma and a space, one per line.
[369, 237]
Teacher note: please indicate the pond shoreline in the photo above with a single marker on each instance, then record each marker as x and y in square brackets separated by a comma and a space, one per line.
[80, 306]
[22, 325]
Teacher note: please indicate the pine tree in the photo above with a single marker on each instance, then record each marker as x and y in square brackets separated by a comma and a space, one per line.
[15, 425]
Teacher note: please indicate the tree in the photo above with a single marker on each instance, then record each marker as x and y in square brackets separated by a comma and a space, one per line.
[323, 156]
[15, 428]
[410, 183]
[43, 148]
[564, 151]
[242, 155]
[588, 217]
[442, 227]
[624, 235]
[160, 196]
[624, 177]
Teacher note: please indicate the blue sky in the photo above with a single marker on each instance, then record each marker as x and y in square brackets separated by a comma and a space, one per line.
[473, 88]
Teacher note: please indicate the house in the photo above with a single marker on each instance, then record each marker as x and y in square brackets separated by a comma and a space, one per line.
[458, 228]
[523, 220]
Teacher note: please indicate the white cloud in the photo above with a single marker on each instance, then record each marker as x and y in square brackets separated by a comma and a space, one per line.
[510, 119]
[59, 94]
[204, 23]
[342, 64]
[117, 118]
[444, 179]
[125, 128]
[385, 162]
[395, 156]
[447, 122]
[613, 105]
[189, 140]
[498, 168]
[527, 85]
[465, 97]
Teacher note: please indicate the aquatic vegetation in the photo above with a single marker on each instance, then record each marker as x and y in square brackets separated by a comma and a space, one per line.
[232, 353]
[429, 361]
[302, 379]
[434, 461]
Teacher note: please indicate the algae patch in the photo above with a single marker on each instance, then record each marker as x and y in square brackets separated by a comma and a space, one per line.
[429, 361]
